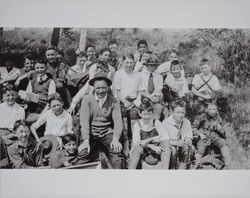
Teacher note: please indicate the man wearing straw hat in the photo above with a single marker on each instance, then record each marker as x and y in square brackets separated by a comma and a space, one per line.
[101, 122]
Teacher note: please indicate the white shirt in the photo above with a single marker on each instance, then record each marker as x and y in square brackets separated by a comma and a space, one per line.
[57, 125]
[127, 84]
[173, 130]
[52, 85]
[179, 85]
[157, 79]
[101, 101]
[13, 73]
[10, 114]
[213, 83]
[158, 126]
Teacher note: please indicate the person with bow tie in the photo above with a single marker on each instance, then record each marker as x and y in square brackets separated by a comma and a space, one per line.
[41, 86]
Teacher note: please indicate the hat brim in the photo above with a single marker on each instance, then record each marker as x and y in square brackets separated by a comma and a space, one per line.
[92, 81]
[53, 140]
[152, 64]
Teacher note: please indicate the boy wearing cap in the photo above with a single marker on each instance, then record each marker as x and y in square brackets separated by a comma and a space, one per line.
[151, 81]
[101, 122]
[152, 84]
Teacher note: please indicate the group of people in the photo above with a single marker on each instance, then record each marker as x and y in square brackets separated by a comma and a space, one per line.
[132, 110]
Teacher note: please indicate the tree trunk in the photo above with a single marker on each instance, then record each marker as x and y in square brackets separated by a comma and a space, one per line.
[111, 33]
[1, 39]
[55, 37]
[83, 39]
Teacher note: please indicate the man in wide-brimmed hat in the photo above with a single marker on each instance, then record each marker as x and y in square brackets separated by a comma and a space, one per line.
[101, 122]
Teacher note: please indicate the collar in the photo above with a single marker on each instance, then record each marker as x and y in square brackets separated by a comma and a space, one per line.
[101, 100]
[14, 105]
[44, 77]
[206, 76]
[20, 144]
[66, 153]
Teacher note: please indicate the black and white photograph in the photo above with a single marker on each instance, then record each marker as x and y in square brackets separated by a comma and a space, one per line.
[125, 98]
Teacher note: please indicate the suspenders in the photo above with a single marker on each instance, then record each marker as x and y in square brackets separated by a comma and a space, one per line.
[206, 83]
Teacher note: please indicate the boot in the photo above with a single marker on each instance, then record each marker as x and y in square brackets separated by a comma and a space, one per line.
[197, 161]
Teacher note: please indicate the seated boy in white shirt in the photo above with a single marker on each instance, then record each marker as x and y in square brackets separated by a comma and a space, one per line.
[205, 86]
[10, 112]
[58, 121]
[127, 84]
[176, 85]
[180, 132]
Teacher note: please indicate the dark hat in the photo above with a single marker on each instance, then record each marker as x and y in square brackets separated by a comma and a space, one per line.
[100, 76]
[49, 145]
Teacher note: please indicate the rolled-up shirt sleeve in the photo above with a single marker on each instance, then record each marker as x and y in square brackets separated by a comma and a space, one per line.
[41, 120]
[117, 120]
[85, 119]
[136, 138]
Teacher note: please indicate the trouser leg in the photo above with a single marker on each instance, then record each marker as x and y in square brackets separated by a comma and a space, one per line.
[166, 154]
[186, 153]
[221, 143]
[116, 158]
[135, 157]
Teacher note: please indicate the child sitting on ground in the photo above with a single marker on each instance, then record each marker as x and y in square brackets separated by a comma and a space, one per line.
[180, 132]
[209, 128]
[147, 134]
[10, 112]
[68, 156]
[176, 85]
[24, 153]
[58, 121]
